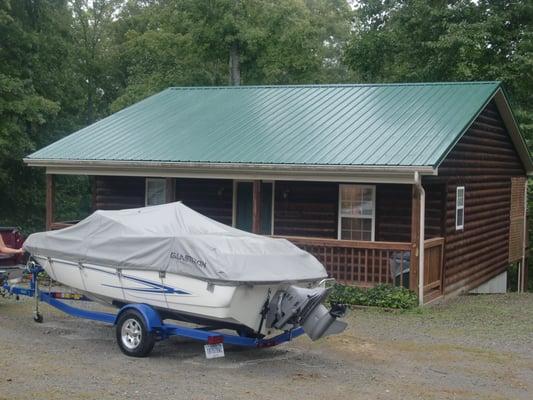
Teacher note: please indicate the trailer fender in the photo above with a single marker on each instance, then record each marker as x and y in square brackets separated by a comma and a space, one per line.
[151, 316]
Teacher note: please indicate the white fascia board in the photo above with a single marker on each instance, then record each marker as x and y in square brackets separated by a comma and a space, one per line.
[328, 173]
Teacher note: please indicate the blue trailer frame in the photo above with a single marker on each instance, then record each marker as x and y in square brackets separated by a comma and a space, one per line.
[154, 323]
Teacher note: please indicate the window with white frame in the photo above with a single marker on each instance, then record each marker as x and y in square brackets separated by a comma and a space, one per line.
[460, 208]
[156, 191]
[357, 204]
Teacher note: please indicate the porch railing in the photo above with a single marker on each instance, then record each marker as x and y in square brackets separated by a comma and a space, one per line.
[360, 263]
[54, 226]
[433, 267]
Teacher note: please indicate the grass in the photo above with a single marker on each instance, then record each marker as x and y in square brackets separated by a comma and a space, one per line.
[494, 320]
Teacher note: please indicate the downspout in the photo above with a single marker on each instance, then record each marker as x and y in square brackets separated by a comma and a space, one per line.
[418, 183]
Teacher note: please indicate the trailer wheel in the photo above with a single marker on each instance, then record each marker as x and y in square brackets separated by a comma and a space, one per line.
[132, 336]
[38, 317]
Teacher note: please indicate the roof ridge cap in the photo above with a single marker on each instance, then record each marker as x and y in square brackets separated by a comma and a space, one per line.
[334, 85]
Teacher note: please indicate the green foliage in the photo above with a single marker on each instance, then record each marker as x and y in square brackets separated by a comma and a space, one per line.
[455, 40]
[73, 197]
[385, 296]
[188, 42]
[94, 56]
[24, 111]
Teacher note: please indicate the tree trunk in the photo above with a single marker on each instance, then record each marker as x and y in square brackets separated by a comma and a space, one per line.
[234, 65]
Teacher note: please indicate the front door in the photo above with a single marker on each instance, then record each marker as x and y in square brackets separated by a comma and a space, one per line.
[244, 206]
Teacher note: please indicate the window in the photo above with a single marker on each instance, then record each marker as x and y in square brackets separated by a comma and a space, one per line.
[356, 212]
[460, 208]
[156, 191]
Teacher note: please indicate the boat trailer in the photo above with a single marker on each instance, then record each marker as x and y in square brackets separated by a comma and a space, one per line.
[137, 326]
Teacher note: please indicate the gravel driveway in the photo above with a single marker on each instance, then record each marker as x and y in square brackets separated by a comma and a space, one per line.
[474, 347]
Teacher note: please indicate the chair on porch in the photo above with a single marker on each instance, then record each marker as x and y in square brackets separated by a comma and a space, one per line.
[400, 263]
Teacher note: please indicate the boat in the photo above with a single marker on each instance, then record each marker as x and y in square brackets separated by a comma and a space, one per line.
[190, 268]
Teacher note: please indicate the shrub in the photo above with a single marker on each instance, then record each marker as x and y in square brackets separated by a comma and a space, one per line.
[385, 296]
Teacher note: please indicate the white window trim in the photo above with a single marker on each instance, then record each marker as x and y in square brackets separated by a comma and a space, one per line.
[458, 207]
[373, 187]
[234, 202]
[146, 189]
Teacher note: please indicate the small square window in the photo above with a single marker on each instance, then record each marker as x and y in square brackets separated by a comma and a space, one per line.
[460, 208]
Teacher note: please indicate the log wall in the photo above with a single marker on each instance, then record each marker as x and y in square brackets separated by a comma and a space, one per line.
[118, 192]
[435, 204]
[483, 161]
[306, 209]
[393, 213]
[210, 197]
[310, 209]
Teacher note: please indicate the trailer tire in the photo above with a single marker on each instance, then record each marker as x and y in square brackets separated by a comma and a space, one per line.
[133, 337]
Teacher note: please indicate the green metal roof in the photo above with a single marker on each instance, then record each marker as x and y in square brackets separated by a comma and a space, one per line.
[348, 125]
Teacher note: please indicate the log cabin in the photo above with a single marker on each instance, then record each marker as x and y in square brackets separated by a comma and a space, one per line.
[421, 185]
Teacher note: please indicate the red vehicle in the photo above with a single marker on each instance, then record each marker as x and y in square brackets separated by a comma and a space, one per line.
[12, 238]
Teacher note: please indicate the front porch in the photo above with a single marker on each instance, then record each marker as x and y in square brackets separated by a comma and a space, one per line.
[312, 215]
[367, 264]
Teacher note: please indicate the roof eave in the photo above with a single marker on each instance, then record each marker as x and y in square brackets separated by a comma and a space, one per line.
[339, 173]
[509, 120]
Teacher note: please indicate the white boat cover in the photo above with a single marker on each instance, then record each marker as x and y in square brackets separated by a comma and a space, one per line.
[177, 239]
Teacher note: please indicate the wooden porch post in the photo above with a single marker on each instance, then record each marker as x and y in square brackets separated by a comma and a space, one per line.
[415, 239]
[50, 200]
[256, 216]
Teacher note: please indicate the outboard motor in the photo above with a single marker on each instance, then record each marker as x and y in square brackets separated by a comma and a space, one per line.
[303, 307]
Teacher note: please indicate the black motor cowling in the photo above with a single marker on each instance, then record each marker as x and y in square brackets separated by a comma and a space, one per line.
[296, 306]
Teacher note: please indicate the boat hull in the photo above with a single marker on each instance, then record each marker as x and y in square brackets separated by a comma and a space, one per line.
[175, 295]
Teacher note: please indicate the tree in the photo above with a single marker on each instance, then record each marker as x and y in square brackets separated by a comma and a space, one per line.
[39, 100]
[455, 40]
[219, 42]
[23, 110]
[91, 29]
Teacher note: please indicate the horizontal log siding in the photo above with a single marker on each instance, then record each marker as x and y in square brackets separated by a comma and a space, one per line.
[118, 192]
[435, 203]
[483, 161]
[393, 213]
[210, 197]
[306, 209]
[310, 209]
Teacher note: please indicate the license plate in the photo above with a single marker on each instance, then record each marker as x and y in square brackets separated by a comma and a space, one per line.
[214, 350]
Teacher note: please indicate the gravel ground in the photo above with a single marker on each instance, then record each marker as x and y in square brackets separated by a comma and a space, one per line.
[474, 347]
